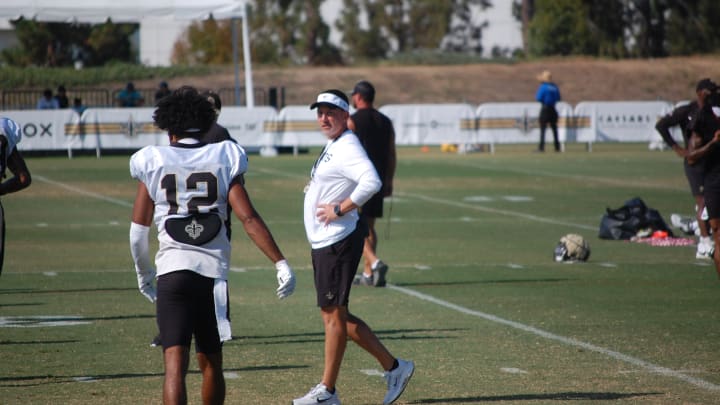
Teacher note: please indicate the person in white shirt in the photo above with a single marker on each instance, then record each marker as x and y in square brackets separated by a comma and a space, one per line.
[341, 180]
[185, 188]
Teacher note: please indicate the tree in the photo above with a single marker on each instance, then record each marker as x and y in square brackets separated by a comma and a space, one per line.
[205, 42]
[291, 31]
[404, 25]
[61, 44]
[464, 35]
[558, 28]
[645, 20]
[692, 27]
[110, 42]
[361, 44]
[314, 36]
[607, 27]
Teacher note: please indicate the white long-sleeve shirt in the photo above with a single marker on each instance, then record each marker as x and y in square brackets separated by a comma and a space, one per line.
[343, 170]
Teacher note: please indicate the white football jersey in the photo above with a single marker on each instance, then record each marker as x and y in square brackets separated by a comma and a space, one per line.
[184, 179]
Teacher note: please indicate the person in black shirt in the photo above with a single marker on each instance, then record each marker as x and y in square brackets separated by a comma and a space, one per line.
[682, 116]
[217, 132]
[703, 149]
[162, 91]
[62, 97]
[377, 135]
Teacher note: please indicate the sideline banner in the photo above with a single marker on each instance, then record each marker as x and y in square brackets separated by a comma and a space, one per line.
[43, 129]
[518, 122]
[246, 125]
[116, 128]
[432, 124]
[295, 126]
[618, 121]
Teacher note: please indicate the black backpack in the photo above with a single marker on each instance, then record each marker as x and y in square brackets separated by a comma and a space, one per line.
[626, 221]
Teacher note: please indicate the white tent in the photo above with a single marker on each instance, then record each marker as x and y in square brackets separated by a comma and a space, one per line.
[96, 11]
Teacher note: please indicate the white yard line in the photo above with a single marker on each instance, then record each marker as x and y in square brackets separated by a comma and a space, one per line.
[495, 211]
[633, 183]
[653, 368]
[83, 192]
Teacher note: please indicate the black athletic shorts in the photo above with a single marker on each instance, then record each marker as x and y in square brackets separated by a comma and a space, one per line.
[373, 208]
[695, 176]
[186, 307]
[334, 268]
[712, 201]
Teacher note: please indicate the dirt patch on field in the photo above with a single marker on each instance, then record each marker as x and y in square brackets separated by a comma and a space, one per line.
[671, 79]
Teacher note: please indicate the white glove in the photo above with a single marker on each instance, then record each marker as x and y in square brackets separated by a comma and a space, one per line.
[285, 278]
[146, 286]
[141, 256]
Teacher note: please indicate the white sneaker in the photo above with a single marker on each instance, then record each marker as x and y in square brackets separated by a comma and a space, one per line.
[397, 380]
[686, 224]
[705, 248]
[318, 395]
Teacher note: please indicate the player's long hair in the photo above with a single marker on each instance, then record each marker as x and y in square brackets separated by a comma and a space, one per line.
[184, 113]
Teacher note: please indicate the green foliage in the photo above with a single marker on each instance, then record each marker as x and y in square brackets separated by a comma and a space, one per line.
[314, 37]
[692, 27]
[60, 44]
[559, 28]
[206, 42]
[618, 28]
[39, 77]
[426, 57]
[110, 42]
[397, 26]
[291, 32]
[361, 44]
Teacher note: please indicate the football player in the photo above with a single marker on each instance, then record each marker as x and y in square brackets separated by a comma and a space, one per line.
[682, 117]
[185, 188]
[10, 158]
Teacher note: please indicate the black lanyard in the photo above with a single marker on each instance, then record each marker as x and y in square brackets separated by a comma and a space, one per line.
[322, 155]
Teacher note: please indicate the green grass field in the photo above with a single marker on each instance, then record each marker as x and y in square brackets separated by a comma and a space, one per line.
[475, 298]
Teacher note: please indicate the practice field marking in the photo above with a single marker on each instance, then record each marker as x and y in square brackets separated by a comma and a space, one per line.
[83, 192]
[653, 368]
[40, 321]
[509, 198]
[372, 372]
[600, 180]
[498, 211]
[512, 370]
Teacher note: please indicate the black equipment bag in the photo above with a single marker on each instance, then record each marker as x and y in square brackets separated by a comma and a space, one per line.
[626, 221]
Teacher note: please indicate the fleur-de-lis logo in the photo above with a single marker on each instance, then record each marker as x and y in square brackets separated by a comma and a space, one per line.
[130, 127]
[194, 229]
